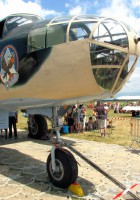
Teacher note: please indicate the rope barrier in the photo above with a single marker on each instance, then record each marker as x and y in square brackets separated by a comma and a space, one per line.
[121, 118]
[125, 191]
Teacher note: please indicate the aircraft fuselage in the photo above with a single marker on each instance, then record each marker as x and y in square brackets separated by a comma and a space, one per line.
[58, 60]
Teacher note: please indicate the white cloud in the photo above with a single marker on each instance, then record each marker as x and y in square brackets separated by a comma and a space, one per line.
[124, 11]
[76, 10]
[77, 7]
[136, 3]
[8, 7]
[67, 5]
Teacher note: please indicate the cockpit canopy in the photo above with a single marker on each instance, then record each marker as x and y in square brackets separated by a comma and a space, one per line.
[109, 45]
[111, 48]
[13, 21]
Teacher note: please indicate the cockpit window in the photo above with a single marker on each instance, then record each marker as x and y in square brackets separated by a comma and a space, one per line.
[112, 32]
[15, 21]
[80, 30]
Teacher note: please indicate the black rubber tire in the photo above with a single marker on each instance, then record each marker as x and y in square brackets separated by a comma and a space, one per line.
[39, 127]
[68, 169]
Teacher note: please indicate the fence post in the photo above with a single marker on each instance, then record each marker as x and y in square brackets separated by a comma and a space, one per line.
[135, 130]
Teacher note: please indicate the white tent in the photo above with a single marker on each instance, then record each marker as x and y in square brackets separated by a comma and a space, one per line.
[136, 108]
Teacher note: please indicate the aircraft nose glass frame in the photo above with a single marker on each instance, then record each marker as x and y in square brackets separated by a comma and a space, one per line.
[109, 54]
[109, 45]
[109, 48]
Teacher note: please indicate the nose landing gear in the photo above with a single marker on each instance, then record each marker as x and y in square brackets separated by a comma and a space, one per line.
[61, 165]
[66, 169]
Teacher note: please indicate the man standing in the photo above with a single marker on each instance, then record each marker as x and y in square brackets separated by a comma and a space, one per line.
[12, 123]
[101, 118]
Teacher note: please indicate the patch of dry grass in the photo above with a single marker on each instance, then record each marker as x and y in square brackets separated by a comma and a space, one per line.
[22, 121]
[118, 134]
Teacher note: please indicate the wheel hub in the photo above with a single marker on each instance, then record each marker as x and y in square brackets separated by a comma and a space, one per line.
[59, 173]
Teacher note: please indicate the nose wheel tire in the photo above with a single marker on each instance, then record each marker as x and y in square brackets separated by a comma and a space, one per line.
[66, 169]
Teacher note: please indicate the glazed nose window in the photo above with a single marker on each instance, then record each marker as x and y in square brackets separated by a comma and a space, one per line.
[110, 31]
[109, 54]
[106, 65]
[124, 72]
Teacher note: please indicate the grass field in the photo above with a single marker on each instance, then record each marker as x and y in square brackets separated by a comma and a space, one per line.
[22, 121]
[118, 134]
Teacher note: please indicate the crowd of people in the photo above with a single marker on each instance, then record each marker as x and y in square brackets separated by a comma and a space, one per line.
[75, 118]
[78, 121]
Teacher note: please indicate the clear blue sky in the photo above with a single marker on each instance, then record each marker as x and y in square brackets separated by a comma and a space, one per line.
[124, 10]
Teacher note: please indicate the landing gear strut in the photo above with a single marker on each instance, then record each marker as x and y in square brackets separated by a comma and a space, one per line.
[61, 165]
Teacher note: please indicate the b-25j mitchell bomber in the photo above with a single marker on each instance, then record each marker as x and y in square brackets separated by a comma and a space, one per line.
[45, 64]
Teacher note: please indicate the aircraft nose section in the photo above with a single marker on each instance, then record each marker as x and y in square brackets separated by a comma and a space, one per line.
[113, 53]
